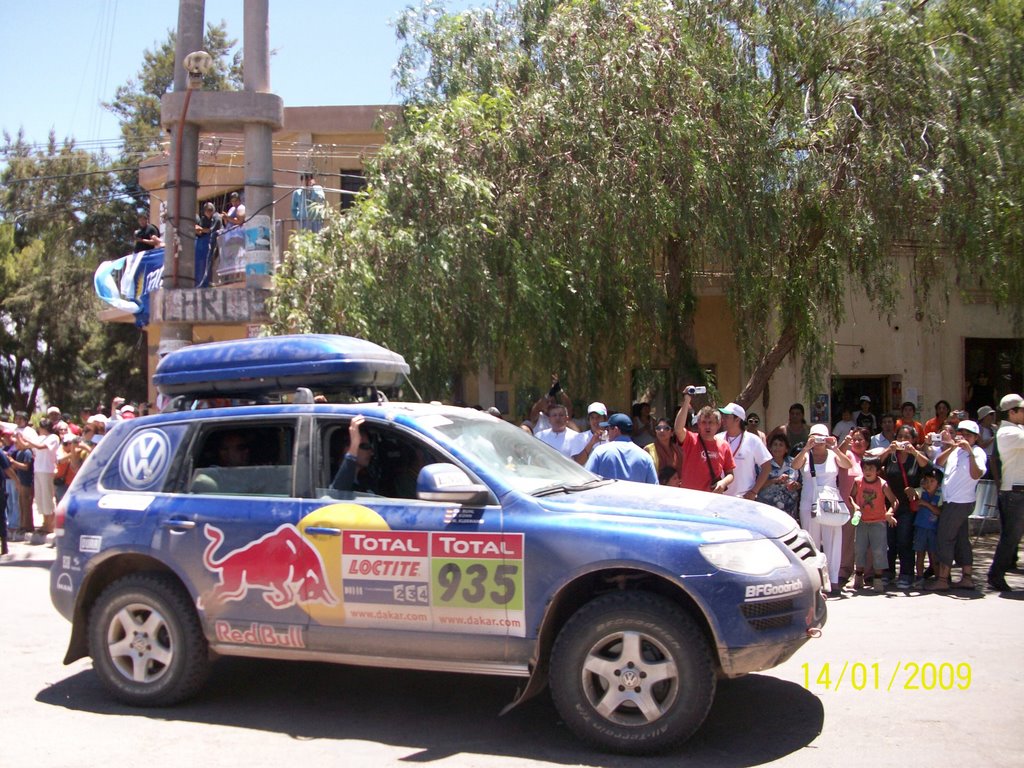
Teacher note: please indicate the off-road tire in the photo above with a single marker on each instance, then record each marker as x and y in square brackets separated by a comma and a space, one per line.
[146, 642]
[631, 672]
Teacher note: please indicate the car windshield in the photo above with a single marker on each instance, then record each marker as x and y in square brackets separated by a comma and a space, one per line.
[510, 455]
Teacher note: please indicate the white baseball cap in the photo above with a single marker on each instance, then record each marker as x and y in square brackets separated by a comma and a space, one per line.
[597, 408]
[969, 426]
[1011, 401]
[734, 409]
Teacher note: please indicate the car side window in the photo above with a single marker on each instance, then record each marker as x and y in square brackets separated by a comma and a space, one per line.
[245, 460]
[146, 459]
[387, 462]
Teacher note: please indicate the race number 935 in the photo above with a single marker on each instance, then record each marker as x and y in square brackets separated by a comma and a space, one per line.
[477, 583]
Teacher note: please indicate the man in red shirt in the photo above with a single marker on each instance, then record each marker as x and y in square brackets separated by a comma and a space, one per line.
[707, 461]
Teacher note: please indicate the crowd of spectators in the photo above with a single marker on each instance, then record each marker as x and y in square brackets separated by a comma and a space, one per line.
[885, 496]
[41, 455]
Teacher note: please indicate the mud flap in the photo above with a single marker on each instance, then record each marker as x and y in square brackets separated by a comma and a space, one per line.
[538, 682]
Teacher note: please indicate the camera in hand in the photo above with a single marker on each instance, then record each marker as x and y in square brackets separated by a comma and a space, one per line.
[696, 390]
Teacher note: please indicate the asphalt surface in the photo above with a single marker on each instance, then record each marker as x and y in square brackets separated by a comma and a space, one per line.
[896, 679]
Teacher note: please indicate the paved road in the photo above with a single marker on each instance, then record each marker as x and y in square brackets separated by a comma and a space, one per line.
[265, 713]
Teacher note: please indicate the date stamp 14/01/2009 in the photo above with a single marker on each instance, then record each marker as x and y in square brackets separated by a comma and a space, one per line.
[887, 676]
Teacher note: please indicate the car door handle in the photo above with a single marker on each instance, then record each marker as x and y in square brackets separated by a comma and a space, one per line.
[317, 531]
[177, 524]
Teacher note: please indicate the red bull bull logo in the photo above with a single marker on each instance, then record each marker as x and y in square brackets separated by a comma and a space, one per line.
[286, 567]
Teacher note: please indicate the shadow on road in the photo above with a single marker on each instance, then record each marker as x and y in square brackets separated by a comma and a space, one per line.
[754, 720]
[10, 561]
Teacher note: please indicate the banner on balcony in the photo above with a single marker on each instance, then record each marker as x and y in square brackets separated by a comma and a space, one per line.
[126, 283]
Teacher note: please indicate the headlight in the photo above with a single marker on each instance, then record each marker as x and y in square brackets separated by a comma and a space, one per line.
[755, 558]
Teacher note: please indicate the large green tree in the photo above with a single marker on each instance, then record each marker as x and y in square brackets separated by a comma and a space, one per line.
[567, 173]
[61, 213]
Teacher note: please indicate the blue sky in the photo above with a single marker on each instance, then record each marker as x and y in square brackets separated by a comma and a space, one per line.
[61, 58]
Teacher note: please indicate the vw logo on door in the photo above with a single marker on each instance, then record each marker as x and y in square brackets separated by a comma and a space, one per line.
[145, 459]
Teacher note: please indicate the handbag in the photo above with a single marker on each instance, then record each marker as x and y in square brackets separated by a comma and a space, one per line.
[828, 507]
[911, 498]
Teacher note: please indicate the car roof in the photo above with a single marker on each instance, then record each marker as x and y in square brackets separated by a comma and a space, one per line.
[278, 364]
[423, 413]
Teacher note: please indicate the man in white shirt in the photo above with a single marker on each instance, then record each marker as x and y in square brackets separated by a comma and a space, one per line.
[748, 451]
[1010, 443]
[964, 464]
[566, 441]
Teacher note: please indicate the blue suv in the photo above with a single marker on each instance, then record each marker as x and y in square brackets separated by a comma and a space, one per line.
[282, 507]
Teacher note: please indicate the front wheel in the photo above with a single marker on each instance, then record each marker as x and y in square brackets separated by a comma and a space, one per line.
[632, 673]
[146, 642]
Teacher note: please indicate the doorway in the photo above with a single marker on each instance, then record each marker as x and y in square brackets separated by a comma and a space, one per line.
[847, 391]
[1002, 360]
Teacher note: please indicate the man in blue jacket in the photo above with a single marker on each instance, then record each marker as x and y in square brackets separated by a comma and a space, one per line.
[620, 458]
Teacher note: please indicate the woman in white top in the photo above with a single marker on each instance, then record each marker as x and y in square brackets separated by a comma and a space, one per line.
[827, 459]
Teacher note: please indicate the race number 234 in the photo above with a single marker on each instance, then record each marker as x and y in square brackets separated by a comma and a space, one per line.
[477, 583]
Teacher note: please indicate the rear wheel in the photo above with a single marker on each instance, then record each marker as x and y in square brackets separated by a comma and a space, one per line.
[631, 672]
[146, 641]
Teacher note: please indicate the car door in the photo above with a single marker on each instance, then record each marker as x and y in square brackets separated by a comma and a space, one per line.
[415, 579]
[232, 528]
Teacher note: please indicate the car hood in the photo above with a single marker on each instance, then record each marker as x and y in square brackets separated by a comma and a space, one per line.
[637, 502]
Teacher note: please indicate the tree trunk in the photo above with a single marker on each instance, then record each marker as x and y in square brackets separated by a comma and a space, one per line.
[767, 366]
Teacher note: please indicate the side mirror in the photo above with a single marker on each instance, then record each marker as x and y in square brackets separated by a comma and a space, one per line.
[448, 483]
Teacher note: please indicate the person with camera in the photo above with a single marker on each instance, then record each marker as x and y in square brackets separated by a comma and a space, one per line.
[902, 462]
[819, 462]
[707, 461]
[555, 395]
[964, 464]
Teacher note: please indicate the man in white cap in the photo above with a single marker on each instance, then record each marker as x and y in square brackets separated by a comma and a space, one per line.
[748, 453]
[964, 464]
[596, 414]
[1010, 442]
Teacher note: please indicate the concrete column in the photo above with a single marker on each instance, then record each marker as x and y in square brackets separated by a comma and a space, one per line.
[191, 15]
[179, 260]
[259, 173]
[256, 46]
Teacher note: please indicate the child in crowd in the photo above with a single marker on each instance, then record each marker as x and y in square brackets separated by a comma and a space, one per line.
[869, 496]
[926, 521]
